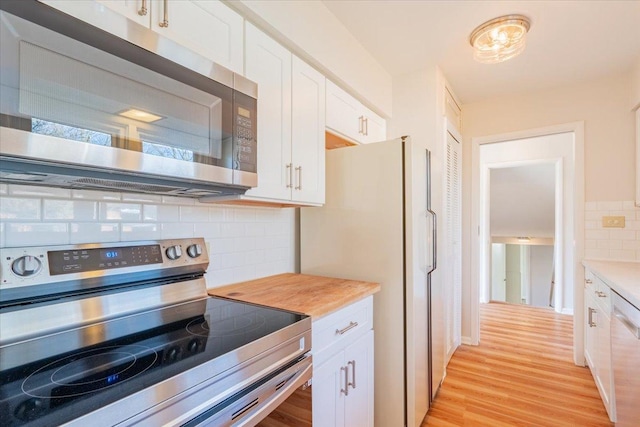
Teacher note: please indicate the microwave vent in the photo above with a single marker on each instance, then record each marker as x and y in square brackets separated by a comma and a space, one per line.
[125, 186]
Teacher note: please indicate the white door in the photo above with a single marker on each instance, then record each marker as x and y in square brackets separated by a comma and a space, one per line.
[513, 286]
[269, 65]
[207, 27]
[359, 402]
[344, 113]
[307, 133]
[327, 397]
[498, 272]
[452, 264]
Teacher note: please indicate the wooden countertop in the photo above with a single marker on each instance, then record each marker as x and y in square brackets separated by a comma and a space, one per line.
[315, 296]
[621, 276]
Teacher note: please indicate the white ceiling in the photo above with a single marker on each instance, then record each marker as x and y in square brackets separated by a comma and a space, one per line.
[522, 201]
[569, 41]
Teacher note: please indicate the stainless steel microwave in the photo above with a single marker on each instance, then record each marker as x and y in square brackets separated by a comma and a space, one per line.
[84, 108]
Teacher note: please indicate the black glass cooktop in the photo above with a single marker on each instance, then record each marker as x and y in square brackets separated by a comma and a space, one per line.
[54, 379]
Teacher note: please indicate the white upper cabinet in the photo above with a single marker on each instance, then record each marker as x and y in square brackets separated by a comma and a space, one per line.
[291, 122]
[136, 10]
[308, 124]
[269, 65]
[347, 117]
[207, 27]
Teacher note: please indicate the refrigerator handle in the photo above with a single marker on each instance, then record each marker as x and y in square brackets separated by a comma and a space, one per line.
[434, 242]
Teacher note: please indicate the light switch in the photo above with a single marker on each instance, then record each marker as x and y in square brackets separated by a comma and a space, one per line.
[613, 221]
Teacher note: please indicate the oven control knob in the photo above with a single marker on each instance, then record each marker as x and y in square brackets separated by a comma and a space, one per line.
[174, 252]
[194, 251]
[30, 409]
[194, 345]
[172, 354]
[26, 266]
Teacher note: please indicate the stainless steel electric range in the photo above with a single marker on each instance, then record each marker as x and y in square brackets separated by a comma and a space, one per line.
[125, 334]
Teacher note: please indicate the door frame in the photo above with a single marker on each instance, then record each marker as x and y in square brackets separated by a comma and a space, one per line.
[479, 223]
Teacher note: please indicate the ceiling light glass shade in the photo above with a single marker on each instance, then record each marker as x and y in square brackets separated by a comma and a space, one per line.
[500, 39]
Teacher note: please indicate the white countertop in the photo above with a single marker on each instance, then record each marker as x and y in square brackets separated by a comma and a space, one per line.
[622, 277]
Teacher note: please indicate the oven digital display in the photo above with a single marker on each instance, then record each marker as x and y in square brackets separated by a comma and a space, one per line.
[111, 254]
[83, 260]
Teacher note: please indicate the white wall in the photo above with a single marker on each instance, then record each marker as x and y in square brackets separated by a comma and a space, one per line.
[609, 140]
[245, 243]
[635, 88]
[312, 32]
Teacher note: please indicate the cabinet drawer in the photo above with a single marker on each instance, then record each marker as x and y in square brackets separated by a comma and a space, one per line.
[335, 331]
[602, 294]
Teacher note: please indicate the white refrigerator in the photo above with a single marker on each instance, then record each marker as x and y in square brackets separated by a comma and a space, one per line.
[377, 225]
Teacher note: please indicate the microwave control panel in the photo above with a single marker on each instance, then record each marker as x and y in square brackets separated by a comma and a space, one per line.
[245, 147]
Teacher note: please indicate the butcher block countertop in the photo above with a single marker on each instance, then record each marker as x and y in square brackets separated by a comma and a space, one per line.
[315, 296]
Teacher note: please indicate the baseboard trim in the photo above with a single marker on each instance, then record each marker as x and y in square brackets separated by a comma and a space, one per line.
[466, 340]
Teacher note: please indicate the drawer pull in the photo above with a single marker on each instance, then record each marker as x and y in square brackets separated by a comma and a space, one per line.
[601, 294]
[588, 281]
[346, 328]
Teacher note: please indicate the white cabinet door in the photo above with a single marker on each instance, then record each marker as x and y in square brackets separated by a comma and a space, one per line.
[603, 355]
[590, 334]
[269, 65]
[359, 402]
[327, 395]
[136, 10]
[344, 114]
[308, 124]
[375, 127]
[207, 27]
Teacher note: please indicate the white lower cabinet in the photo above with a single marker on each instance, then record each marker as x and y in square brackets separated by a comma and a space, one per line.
[342, 385]
[598, 338]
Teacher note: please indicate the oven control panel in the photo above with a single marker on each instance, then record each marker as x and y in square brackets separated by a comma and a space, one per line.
[49, 264]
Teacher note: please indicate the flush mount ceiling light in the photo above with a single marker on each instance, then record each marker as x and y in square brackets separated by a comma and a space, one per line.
[500, 39]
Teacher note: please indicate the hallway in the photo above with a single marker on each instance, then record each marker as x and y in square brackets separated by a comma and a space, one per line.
[522, 374]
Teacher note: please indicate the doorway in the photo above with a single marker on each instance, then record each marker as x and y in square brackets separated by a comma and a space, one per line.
[564, 145]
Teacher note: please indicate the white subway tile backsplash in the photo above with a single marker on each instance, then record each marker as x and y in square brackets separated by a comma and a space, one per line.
[76, 210]
[161, 213]
[36, 233]
[216, 214]
[176, 230]
[133, 231]
[33, 191]
[621, 244]
[19, 209]
[120, 211]
[244, 242]
[610, 206]
[95, 195]
[194, 213]
[94, 232]
[208, 230]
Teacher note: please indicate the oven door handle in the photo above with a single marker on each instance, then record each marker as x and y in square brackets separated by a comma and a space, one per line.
[276, 399]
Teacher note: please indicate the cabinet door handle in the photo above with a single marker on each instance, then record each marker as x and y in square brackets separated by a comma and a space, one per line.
[588, 281]
[601, 294]
[165, 18]
[353, 373]
[345, 390]
[361, 125]
[592, 324]
[289, 175]
[143, 8]
[346, 328]
[366, 126]
[299, 174]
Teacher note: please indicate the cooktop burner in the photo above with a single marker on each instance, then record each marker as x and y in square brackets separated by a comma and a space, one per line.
[49, 380]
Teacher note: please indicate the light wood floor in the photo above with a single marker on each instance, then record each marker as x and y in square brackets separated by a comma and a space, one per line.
[522, 374]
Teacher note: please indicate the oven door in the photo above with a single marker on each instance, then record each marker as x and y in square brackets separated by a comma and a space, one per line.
[104, 99]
